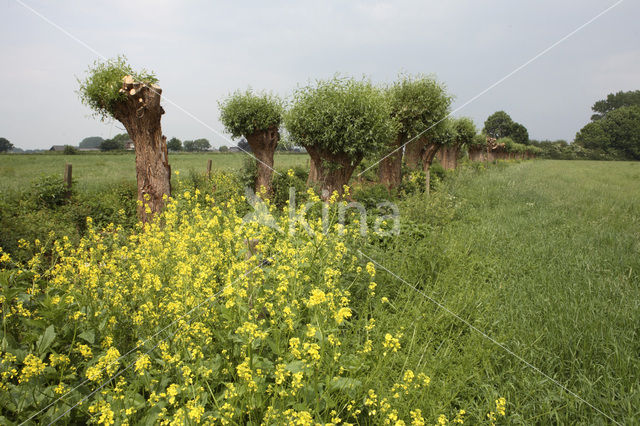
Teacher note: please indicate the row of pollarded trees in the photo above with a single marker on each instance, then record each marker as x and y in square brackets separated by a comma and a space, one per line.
[339, 122]
[342, 120]
[486, 148]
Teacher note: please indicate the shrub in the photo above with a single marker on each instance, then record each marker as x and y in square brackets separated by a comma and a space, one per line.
[50, 191]
[69, 150]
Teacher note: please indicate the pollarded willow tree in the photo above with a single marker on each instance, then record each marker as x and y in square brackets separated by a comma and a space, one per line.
[339, 121]
[419, 104]
[257, 117]
[444, 136]
[113, 90]
[477, 148]
[464, 131]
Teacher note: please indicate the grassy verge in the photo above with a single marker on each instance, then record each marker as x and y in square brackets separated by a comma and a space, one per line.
[544, 258]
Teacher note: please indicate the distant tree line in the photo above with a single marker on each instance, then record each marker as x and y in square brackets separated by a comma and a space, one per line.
[614, 130]
[612, 134]
[5, 145]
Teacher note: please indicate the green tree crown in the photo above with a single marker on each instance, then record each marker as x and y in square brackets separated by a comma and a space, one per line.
[5, 145]
[244, 113]
[519, 134]
[617, 132]
[100, 90]
[465, 130]
[446, 133]
[174, 144]
[479, 140]
[91, 142]
[418, 103]
[508, 143]
[498, 125]
[614, 101]
[341, 116]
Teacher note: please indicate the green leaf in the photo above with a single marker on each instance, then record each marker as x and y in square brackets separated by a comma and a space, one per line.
[88, 336]
[344, 384]
[295, 366]
[46, 339]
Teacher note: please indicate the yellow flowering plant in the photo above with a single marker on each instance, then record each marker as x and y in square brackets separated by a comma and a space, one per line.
[204, 317]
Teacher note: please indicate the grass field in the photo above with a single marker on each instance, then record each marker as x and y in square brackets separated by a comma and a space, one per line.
[543, 257]
[91, 171]
[519, 281]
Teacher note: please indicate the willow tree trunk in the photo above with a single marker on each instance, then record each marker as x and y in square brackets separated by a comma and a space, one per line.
[475, 154]
[390, 168]
[451, 162]
[442, 157]
[140, 113]
[428, 154]
[413, 152]
[331, 171]
[263, 145]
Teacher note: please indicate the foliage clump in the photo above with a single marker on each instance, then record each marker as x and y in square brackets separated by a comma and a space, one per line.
[418, 103]
[100, 89]
[245, 113]
[465, 130]
[341, 116]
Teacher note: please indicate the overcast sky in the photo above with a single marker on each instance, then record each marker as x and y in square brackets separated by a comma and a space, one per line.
[201, 51]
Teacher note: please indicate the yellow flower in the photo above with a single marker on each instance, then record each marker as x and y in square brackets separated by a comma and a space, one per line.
[142, 364]
[416, 417]
[316, 298]
[391, 342]
[172, 392]
[342, 314]
[501, 404]
[195, 411]
[460, 417]
[33, 366]
[371, 269]
[85, 351]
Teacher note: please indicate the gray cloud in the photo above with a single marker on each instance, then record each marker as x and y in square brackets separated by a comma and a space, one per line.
[201, 51]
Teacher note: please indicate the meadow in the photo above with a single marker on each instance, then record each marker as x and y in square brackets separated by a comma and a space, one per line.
[92, 171]
[543, 257]
[509, 296]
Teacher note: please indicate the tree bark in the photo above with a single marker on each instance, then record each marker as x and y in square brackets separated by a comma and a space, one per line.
[330, 171]
[448, 156]
[452, 160]
[390, 169]
[263, 145]
[475, 154]
[140, 113]
[413, 152]
[429, 153]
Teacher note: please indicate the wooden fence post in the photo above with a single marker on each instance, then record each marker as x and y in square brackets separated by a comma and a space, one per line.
[208, 169]
[67, 178]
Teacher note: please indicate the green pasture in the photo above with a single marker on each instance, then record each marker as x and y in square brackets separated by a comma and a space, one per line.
[92, 171]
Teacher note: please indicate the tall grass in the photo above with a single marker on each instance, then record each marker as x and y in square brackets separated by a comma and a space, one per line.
[543, 257]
